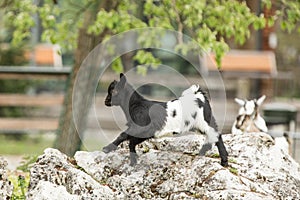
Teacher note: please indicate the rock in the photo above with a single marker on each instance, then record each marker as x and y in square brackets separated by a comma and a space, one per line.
[168, 168]
[190, 143]
[45, 190]
[56, 168]
[6, 187]
[283, 143]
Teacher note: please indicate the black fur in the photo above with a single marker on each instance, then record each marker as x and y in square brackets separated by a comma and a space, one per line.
[174, 113]
[144, 117]
[186, 122]
[194, 115]
[208, 117]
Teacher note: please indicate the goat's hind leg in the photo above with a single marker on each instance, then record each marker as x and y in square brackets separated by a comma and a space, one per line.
[206, 147]
[221, 148]
[211, 138]
[113, 146]
[214, 137]
[222, 151]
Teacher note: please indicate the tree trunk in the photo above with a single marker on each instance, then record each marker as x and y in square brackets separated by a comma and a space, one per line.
[68, 139]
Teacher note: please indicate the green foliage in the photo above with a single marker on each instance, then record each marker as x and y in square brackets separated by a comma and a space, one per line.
[233, 170]
[288, 13]
[20, 183]
[116, 21]
[27, 163]
[117, 65]
[215, 155]
[19, 15]
[231, 160]
[145, 59]
[209, 23]
[60, 23]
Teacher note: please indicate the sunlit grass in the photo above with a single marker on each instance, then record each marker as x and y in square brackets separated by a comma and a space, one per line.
[20, 181]
[24, 144]
[35, 144]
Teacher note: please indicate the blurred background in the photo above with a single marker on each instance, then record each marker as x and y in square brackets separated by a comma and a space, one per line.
[35, 76]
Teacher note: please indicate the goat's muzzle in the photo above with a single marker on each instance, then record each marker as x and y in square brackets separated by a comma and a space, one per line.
[108, 102]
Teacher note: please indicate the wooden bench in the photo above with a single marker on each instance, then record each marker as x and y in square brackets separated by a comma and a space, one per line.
[29, 124]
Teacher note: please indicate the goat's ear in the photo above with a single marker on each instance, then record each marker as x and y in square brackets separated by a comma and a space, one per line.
[122, 80]
[240, 101]
[260, 100]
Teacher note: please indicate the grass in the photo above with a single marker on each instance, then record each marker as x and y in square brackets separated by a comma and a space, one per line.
[24, 144]
[233, 170]
[35, 144]
[20, 182]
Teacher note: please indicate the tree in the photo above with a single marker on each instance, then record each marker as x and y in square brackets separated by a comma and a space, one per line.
[89, 22]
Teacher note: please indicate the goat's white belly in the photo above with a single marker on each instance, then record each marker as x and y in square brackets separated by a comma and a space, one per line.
[178, 124]
[172, 125]
[185, 114]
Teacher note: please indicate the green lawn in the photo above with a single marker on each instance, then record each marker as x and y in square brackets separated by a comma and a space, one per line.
[24, 144]
[35, 144]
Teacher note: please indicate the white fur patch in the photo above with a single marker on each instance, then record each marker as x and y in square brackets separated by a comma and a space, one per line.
[248, 108]
[184, 114]
[261, 124]
[254, 122]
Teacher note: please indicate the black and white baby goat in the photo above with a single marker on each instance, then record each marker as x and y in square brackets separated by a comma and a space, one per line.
[149, 119]
[249, 119]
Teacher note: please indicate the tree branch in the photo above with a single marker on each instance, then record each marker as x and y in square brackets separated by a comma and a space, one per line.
[6, 3]
[179, 23]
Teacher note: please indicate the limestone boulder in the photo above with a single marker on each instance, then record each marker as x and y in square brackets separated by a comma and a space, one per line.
[6, 187]
[170, 168]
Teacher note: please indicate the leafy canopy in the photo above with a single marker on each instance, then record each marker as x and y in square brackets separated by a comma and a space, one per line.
[209, 22]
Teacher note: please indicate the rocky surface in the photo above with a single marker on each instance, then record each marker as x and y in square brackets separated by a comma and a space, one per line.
[66, 179]
[6, 188]
[169, 168]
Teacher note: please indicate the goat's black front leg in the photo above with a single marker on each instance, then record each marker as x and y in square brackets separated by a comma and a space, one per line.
[222, 151]
[132, 144]
[113, 146]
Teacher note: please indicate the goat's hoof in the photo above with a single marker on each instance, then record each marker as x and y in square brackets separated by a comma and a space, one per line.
[224, 163]
[132, 164]
[109, 148]
[201, 153]
[133, 159]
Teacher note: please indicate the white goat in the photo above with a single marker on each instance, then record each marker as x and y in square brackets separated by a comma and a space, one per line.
[249, 119]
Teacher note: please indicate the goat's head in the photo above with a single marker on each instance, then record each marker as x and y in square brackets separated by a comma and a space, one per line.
[242, 122]
[116, 93]
[249, 115]
[250, 107]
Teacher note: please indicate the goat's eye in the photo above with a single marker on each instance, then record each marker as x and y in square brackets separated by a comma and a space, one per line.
[114, 92]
